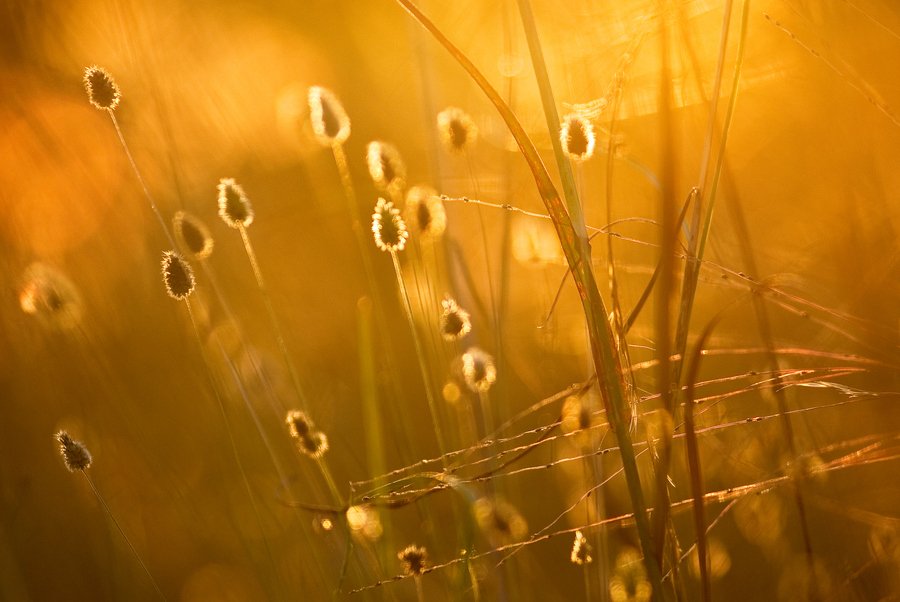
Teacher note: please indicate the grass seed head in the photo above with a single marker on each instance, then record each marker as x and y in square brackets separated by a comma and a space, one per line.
[388, 227]
[581, 550]
[479, 370]
[425, 212]
[385, 166]
[50, 297]
[299, 424]
[314, 445]
[456, 129]
[192, 235]
[413, 559]
[74, 453]
[455, 322]
[101, 88]
[177, 275]
[500, 521]
[330, 122]
[234, 206]
[309, 440]
[577, 137]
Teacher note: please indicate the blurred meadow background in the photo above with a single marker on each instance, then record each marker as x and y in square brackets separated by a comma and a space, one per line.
[782, 117]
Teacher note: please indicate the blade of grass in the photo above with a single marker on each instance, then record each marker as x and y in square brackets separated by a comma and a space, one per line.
[605, 356]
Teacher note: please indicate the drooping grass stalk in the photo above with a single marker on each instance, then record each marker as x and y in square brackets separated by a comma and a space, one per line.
[606, 361]
[78, 459]
[420, 356]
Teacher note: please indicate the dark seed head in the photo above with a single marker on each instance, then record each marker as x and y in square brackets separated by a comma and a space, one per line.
[192, 235]
[102, 90]
[74, 453]
[414, 559]
[177, 275]
[234, 206]
[577, 137]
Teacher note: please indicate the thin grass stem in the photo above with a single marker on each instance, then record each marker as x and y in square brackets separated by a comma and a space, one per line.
[273, 318]
[233, 444]
[140, 178]
[420, 355]
[122, 533]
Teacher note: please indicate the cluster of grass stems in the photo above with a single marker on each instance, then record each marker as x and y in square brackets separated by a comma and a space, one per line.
[477, 474]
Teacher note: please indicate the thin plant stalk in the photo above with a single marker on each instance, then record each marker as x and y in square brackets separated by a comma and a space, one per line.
[233, 443]
[340, 160]
[276, 327]
[122, 533]
[273, 318]
[420, 593]
[605, 356]
[140, 178]
[426, 379]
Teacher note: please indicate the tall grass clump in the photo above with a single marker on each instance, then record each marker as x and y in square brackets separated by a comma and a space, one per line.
[634, 341]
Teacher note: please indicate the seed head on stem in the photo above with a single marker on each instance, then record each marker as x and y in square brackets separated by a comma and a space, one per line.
[456, 129]
[577, 137]
[330, 122]
[388, 227]
[102, 90]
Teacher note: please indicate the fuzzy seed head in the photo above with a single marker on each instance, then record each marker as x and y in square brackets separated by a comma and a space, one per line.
[309, 440]
[51, 297]
[330, 122]
[388, 227]
[479, 370]
[192, 235]
[456, 129]
[74, 453]
[385, 166]
[234, 206]
[177, 275]
[314, 445]
[425, 212]
[299, 424]
[101, 88]
[413, 559]
[455, 322]
[577, 137]
[500, 521]
[581, 550]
